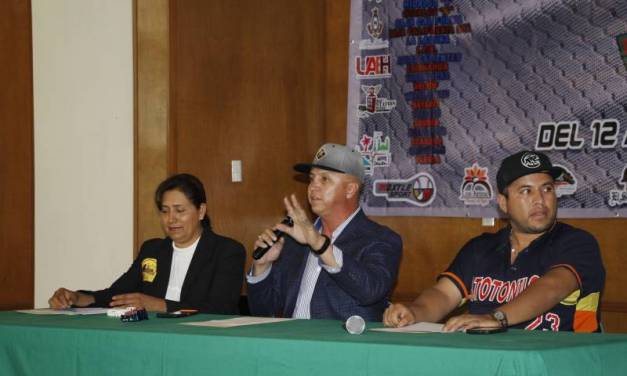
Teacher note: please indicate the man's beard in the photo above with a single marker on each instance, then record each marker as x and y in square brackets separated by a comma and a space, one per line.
[540, 228]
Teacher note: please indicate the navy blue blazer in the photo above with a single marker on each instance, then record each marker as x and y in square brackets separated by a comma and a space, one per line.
[371, 258]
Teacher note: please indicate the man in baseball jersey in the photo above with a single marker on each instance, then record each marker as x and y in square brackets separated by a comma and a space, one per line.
[536, 274]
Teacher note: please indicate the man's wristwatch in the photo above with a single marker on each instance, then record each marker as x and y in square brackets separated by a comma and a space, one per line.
[501, 317]
[327, 241]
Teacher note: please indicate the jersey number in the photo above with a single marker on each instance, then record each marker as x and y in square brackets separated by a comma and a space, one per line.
[551, 318]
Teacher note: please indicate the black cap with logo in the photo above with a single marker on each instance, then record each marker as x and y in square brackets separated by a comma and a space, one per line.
[524, 163]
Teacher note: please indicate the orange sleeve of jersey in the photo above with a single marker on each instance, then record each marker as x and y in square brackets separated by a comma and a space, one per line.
[458, 281]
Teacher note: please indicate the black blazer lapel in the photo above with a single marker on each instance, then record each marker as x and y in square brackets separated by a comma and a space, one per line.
[164, 264]
[202, 255]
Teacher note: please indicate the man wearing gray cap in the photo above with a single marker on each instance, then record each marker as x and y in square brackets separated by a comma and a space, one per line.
[535, 274]
[341, 265]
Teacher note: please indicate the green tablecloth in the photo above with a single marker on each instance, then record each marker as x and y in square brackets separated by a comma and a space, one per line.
[99, 345]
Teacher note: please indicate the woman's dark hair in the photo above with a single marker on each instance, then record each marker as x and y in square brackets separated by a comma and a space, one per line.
[190, 186]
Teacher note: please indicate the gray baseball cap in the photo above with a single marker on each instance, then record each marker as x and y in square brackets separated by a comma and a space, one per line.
[337, 158]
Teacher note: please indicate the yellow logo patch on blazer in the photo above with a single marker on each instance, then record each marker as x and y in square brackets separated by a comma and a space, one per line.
[149, 269]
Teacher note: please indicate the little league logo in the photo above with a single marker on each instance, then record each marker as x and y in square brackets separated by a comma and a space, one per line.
[374, 104]
[149, 269]
[566, 183]
[418, 190]
[476, 188]
[618, 197]
[375, 151]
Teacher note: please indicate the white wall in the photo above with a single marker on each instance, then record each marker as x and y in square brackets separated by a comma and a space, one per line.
[83, 102]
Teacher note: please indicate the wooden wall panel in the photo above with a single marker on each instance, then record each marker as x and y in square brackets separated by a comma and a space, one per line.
[152, 83]
[336, 70]
[16, 156]
[247, 84]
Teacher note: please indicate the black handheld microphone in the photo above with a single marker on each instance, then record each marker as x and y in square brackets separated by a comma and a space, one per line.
[260, 251]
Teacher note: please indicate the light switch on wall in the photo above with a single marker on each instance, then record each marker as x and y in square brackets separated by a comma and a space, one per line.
[236, 171]
[487, 222]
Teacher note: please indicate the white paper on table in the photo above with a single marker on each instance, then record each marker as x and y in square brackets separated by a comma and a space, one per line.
[69, 311]
[237, 321]
[419, 327]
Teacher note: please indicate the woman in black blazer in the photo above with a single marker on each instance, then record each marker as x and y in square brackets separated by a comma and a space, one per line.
[192, 268]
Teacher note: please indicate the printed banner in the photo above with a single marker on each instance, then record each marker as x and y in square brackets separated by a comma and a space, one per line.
[440, 91]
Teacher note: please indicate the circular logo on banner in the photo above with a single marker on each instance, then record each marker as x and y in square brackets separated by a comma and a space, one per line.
[424, 189]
